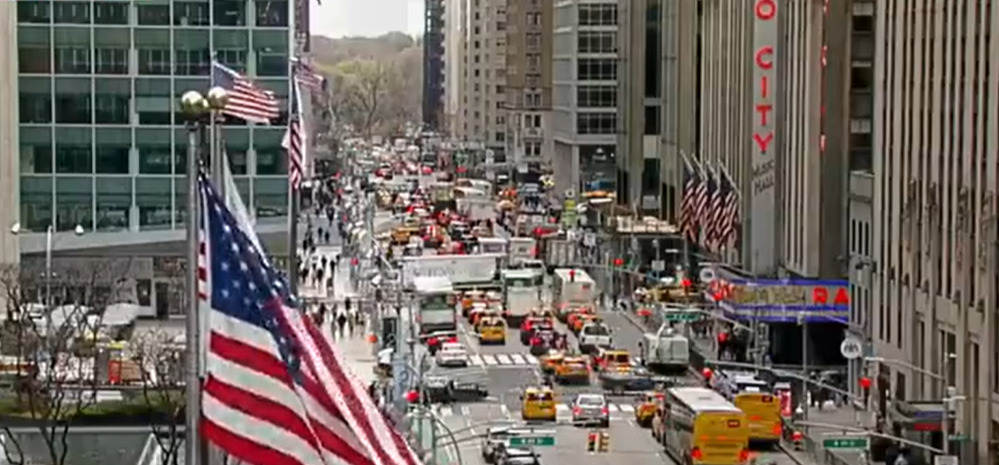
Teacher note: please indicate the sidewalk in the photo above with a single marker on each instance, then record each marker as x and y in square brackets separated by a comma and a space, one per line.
[845, 416]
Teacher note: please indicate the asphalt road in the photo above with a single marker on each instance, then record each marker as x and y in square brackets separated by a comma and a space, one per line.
[507, 369]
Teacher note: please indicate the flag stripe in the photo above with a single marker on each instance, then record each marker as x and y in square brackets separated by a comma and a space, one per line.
[246, 101]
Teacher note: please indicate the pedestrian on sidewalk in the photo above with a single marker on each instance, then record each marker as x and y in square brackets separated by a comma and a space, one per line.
[341, 321]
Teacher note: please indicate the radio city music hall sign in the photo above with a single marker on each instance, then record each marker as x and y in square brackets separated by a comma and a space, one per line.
[763, 59]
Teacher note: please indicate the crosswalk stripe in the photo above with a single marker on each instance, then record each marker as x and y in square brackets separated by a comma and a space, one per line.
[504, 359]
[627, 408]
[518, 359]
[489, 360]
[532, 360]
[613, 407]
[475, 359]
[561, 408]
[446, 411]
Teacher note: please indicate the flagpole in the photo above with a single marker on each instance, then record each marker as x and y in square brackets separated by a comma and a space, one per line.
[684, 165]
[293, 192]
[194, 107]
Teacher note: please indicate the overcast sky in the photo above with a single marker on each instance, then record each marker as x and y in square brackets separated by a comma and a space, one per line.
[339, 18]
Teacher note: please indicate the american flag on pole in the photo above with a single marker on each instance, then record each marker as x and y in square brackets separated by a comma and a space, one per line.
[717, 212]
[688, 207]
[728, 234]
[246, 100]
[276, 390]
[307, 75]
[294, 138]
[704, 195]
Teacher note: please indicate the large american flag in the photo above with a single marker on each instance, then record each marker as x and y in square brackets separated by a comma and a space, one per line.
[294, 138]
[688, 207]
[708, 215]
[276, 390]
[246, 100]
[728, 229]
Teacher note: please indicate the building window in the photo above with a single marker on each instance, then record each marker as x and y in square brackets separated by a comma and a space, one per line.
[154, 62]
[272, 63]
[193, 62]
[153, 15]
[533, 40]
[74, 158]
[111, 13]
[597, 14]
[72, 60]
[533, 61]
[272, 14]
[596, 96]
[596, 123]
[35, 108]
[72, 12]
[110, 61]
[597, 69]
[190, 14]
[597, 42]
[73, 108]
[500, 137]
[533, 19]
[33, 12]
[233, 59]
[230, 13]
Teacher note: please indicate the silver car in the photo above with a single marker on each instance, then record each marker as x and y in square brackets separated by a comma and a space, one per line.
[588, 409]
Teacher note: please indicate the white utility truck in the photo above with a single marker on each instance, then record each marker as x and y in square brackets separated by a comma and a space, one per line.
[463, 271]
[521, 294]
[666, 351]
[436, 304]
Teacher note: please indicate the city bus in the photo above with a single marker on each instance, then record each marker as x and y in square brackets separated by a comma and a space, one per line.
[703, 428]
[752, 395]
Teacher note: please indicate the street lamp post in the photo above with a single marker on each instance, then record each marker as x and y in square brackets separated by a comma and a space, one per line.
[49, 244]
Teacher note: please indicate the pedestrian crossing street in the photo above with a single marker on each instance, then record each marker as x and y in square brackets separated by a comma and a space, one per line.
[503, 360]
[562, 411]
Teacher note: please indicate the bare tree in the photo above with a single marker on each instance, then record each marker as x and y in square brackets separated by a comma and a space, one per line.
[159, 361]
[359, 90]
[52, 340]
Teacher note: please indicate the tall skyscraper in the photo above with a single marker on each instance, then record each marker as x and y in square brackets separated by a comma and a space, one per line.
[936, 146]
[528, 81]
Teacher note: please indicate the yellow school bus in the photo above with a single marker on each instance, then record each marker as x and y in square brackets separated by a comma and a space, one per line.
[702, 428]
[762, 415]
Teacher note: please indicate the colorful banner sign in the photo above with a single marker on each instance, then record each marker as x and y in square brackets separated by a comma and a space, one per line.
[778, 300]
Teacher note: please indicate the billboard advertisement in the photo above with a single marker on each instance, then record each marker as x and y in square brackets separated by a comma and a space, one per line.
[762, 250]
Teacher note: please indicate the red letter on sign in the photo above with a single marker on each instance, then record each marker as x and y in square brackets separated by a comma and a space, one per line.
[763, 142]
[842, 297]
[766, 9]
[764, 57]
[820, 295]
[763, 109]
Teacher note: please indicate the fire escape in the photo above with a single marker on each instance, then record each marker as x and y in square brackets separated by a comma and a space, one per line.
[433, 69]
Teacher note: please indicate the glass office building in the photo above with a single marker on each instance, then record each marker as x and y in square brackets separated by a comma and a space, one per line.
[102, 144]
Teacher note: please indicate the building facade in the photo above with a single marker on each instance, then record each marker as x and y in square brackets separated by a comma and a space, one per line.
[455, 35]
[936, 136]
[101, 141]
[483, 72]
[584, 94]
[9, 171]
[529, 81]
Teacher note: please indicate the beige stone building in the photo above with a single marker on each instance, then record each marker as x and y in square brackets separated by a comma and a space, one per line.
[529, 81]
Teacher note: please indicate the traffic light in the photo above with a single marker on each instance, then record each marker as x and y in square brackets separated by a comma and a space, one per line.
[604, 441]
[865, 387]
[619, 262]
[591, 441]
[572, 276]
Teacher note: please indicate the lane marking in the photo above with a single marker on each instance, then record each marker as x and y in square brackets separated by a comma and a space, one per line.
[518, 359]
[446, 411]
[504, 359]
[475, 359]
[613, 408]
[505, 410]
[489, 359]
[561, 408]
[531, 359]
[628, 408]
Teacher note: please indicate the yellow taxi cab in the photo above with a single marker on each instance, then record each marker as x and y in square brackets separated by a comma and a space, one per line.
[538, 404]
[400, 236]
[468, 301]
[582, 320]
[645, 408]
[492, 330]
[479, 312]
[573, 370]
[551, 360]
[612, 360]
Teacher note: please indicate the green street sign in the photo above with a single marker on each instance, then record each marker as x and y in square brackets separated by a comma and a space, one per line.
[532, 441]
[683, 316]
[959, 437]
[845, 442]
